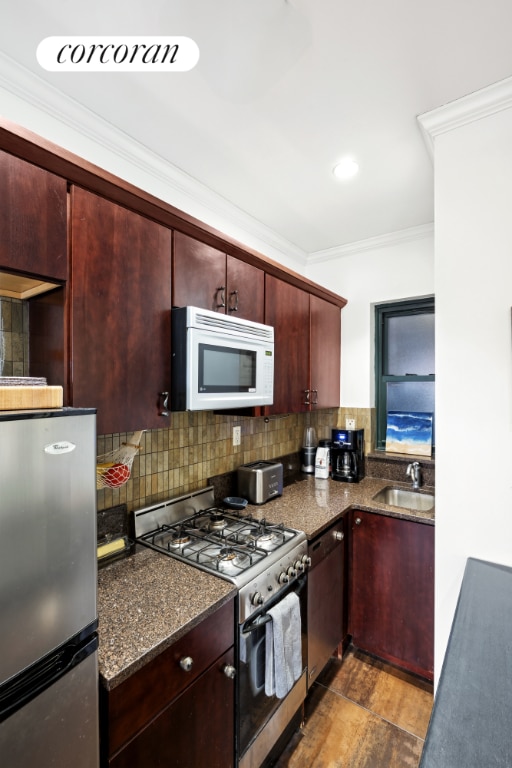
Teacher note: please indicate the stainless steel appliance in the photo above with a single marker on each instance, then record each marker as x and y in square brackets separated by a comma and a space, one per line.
[260, 481]
[267, 563]
[48, 645]
[347, 455]
[219, 361]
[308, 452]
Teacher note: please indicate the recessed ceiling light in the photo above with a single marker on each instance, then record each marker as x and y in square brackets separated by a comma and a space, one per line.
[346, 168]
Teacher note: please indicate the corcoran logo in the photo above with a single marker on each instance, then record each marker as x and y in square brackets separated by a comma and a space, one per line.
[117, 54]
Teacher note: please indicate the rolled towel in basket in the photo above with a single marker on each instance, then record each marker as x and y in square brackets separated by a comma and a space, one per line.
[283, 647]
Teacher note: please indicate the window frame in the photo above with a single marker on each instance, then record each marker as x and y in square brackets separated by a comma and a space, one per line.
[382, 313]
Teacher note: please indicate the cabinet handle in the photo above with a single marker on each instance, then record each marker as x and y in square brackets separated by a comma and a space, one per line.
[306, 397]
[339, 535]
[221, 289]
[164, 411]
[229, 671]
[358, 521]
[235, 307]
[315, 393]
[186, 663]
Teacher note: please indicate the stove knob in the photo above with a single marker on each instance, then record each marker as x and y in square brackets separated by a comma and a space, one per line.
[257, 598]
[186, 663]
[229, 671]
[283, 578]
[306, 560]
[291, 572]
[298, 565]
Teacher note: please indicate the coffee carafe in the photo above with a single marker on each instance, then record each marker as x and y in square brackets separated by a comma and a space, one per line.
[347, 455]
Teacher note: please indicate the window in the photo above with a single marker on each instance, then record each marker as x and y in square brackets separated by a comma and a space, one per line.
[404, 360]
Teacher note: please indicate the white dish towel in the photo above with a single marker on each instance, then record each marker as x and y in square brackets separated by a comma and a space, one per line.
[283, 647]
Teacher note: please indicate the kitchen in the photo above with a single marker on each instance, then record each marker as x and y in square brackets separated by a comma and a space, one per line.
[472, 174]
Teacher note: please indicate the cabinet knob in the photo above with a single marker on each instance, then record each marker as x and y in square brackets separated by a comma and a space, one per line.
[233, 307]
[229, 671]
[358, 521]
[165, 411]
[339, 535]
[221, 290]
[186, 663]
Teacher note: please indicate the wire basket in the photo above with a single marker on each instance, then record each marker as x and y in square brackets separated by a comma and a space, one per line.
[113, 469]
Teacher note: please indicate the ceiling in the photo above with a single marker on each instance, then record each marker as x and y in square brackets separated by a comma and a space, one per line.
[282, 90]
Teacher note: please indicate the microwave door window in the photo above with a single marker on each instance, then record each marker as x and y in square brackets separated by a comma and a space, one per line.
[225, 369]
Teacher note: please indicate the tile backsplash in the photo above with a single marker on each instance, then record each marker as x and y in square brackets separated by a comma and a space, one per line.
[14, 359]
[197, 446]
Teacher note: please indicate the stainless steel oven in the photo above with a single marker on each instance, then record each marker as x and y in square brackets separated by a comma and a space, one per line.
[263, 717]
[268, 563]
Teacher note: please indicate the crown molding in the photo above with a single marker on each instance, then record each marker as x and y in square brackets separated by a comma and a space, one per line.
[194, 198]
[373, 243]
[475, 106]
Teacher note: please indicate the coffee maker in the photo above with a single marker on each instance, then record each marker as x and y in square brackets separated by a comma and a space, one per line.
[347, 455]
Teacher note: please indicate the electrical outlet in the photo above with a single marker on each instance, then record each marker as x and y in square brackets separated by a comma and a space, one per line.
[350, 423]
[237, 435]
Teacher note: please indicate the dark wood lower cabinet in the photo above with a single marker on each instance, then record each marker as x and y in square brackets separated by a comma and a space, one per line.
[195, 730]
[392, 590]
[178, 710]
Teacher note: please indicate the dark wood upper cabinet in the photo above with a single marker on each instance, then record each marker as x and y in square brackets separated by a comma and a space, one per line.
[245, 290]
[120, 313]
[325, 353]
[287, 309]
[392, 590]
[307, 348]
[211, 279]
[33, 219]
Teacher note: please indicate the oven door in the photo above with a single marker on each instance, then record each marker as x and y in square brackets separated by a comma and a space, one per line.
[255, 708]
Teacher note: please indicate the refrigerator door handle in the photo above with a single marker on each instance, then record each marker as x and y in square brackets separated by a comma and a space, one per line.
[21, 689]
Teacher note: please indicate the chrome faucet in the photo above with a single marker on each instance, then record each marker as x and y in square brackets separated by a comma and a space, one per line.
[414, 472]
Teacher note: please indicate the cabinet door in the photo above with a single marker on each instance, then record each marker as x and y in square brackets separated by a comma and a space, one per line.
[197, 729]
[33, 219]
[287, 309]
[199, 275]
[245, 296]
[392, 590]
[325, 353]
[325, 599]
[120, 313]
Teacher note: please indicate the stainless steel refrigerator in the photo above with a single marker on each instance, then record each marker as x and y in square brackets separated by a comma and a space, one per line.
[48, 617]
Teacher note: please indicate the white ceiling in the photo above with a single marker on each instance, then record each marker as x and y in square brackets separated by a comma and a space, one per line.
[283, 89]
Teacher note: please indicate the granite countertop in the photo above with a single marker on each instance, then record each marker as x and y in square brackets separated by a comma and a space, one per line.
[312, 505]
[145, 603]
[148, 601]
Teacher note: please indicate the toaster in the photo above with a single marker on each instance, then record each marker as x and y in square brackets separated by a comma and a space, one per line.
[260, 481]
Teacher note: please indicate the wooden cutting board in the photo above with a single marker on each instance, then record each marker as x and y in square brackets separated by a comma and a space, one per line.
[21, 397]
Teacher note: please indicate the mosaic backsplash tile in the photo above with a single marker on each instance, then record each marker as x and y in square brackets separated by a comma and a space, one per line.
[14, 358]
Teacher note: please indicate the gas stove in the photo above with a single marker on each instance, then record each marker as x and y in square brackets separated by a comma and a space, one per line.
[259, 557]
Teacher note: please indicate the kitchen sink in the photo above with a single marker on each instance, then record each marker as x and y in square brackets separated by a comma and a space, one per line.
[400, 497]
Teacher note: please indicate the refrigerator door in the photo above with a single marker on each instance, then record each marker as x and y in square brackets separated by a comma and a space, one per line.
[59, 727]
[47, 533]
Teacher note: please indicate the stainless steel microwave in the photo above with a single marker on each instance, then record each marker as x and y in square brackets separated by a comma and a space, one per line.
[219, 362]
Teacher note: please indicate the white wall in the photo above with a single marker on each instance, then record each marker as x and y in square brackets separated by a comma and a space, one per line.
[395, 271]
[473, 194]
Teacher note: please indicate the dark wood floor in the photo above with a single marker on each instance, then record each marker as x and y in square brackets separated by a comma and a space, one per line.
[361, 713]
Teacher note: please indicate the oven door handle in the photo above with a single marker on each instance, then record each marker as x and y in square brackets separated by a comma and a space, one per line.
[263, 618]
[259, 622]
